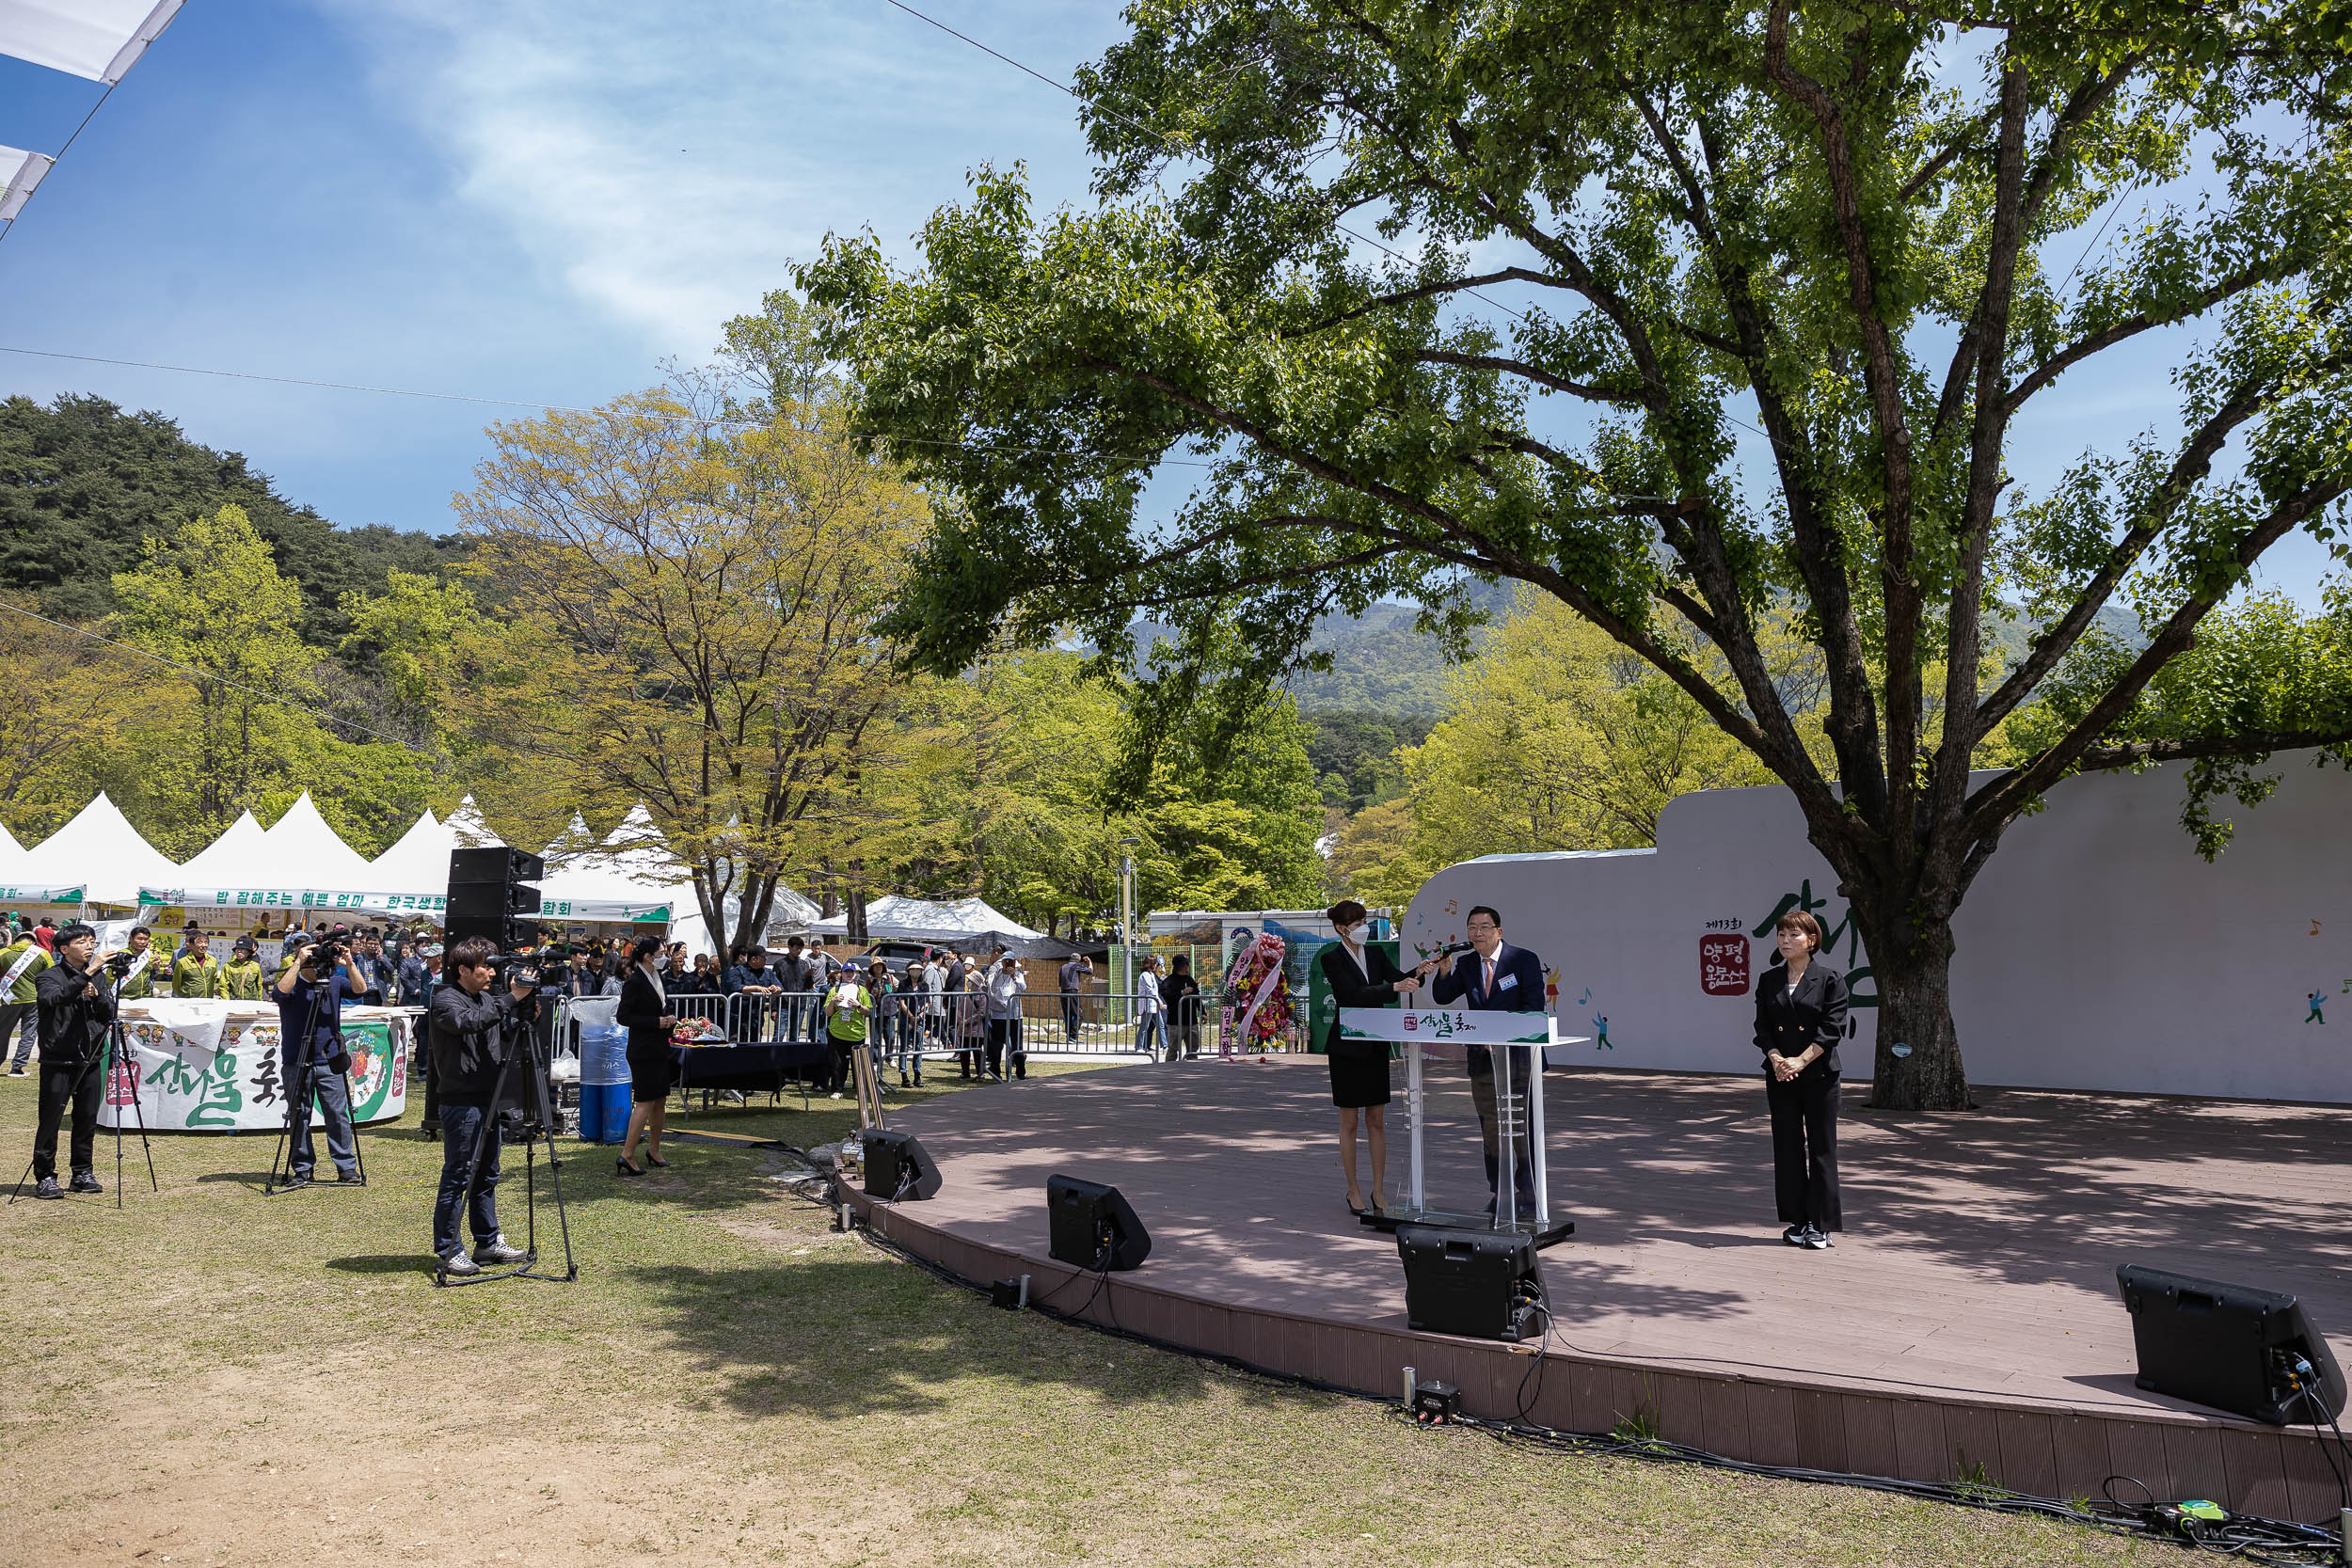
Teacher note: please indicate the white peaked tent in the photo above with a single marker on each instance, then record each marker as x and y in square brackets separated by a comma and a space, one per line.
[301, 850]
[467, 830]
[10, 851]
[100, 852]
[229, 858]
[629, 876]
[572, 843]
[418, 862]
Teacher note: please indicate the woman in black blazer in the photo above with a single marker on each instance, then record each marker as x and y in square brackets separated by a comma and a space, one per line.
[644, 1012]
[1800, 1015]
[1359, 976]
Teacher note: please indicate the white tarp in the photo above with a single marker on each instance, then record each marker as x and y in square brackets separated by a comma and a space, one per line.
[100, 852]
[917, 918]
[20, 172]
[97, 38]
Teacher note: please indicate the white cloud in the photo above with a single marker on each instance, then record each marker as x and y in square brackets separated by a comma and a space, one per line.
[664, 163]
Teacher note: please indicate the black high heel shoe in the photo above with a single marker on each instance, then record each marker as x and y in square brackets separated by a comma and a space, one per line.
[620, 1162]
[658, 1165]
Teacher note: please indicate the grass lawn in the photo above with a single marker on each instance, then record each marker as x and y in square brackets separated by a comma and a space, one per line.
[216, 1377]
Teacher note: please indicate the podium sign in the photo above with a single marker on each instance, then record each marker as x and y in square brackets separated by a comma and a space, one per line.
[1447, 1025]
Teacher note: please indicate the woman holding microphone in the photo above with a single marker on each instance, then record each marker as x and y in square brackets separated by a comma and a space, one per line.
[1361, 975]
[1800, 1015]
[644, 1012]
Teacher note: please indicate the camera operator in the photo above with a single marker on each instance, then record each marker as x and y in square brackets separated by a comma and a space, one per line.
[74, 1013]
[310, 994]
[474, 1024]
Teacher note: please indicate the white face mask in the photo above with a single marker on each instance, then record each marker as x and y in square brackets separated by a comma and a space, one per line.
[1358, 934]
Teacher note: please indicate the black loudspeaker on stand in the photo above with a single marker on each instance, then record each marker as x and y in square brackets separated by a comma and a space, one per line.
[897, 1167]
[1092, 1227]
[2250, 1352]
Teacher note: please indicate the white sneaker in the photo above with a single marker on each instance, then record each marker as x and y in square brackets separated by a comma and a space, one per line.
[458, 1265]
[497, 1251]
[836, 1094]
[1814, 1240]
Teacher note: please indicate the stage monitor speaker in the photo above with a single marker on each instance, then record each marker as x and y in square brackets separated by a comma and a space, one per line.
[897, 1167]
[1479, 1284]
[1092, 1227]
[2234, 1347]
[497, 864]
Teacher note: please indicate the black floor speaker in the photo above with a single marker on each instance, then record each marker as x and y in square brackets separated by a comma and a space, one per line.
[1481, 1284]
[1092, 1226]
[897, 1167]
[2235, 1348]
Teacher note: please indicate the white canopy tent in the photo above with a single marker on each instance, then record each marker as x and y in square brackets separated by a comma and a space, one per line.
[100, 853]
[20, 174]
[299, 863]
[917, 920]
[467, 830]
[10, 851]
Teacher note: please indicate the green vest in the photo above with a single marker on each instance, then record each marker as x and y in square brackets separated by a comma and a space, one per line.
[242, 982]
[195, 976]
[141, 986]
[23, 991]
[849, 1022]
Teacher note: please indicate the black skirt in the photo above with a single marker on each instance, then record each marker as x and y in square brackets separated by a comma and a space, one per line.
[651, 1070]
[1359, 1078]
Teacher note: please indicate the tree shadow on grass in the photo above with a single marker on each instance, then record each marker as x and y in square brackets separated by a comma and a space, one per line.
[856, 1334]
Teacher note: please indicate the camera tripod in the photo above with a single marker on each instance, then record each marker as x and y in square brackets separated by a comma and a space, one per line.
[299, 1105]
[117, 1053]
[541, 1125]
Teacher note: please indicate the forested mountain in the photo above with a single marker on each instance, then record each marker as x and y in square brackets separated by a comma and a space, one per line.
[83, 484]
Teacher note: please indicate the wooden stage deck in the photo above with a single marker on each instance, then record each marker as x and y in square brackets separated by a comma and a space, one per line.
[1968, 1314]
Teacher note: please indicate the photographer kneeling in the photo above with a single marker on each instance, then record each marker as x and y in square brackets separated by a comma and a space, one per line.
[471, 1022]
[310, 995]
[74, 1013]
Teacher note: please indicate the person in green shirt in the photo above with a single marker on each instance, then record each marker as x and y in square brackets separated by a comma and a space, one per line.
[21, 963]
[241, 977]
[848, 1006]
[197, 974]
[141, 986]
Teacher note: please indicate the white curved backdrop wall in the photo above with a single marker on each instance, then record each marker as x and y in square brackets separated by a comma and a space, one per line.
[2096, 950]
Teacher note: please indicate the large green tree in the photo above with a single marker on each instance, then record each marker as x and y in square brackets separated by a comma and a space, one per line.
[1442, 290]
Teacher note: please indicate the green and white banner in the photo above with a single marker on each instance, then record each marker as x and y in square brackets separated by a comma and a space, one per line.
[360, 901]
[237, 1082]
[41, 894]
[1445, 1025]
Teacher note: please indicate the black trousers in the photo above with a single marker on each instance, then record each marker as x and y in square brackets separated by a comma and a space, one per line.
[61, 1082]
[1004, 1041]
[1482, 1077]
[1804, 1148]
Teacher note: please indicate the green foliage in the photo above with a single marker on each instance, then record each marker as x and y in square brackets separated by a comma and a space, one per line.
[2260, 666]
[1832, 218]
[1354, 754]
[84, 484]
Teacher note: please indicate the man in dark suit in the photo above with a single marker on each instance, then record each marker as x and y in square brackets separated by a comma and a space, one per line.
[1496, 977]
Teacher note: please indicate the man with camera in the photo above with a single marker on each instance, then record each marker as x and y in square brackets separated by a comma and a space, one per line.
[75, 1011]
[474, 1025]
[310, 991]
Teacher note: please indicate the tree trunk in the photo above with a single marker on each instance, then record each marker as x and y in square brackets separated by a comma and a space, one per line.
[1916, 1064]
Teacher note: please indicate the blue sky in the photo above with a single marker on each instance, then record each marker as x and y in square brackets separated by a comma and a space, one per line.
[540, 200]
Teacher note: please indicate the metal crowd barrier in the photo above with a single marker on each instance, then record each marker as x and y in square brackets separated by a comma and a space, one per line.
[1087, 1024]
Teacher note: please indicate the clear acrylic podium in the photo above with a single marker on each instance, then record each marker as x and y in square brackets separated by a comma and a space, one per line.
[1517, 1107]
